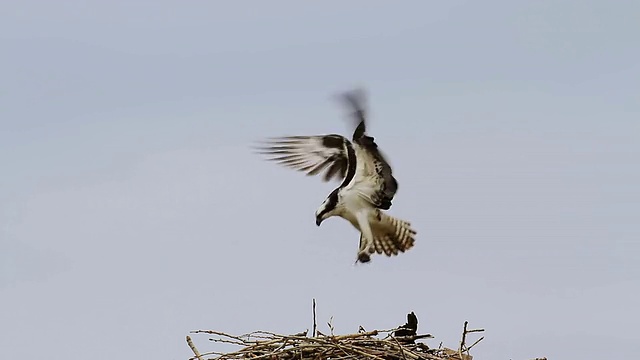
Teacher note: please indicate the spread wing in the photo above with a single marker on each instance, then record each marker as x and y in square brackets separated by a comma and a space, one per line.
[374, 179]
[355, 100]
[310, 154]
[372, 163]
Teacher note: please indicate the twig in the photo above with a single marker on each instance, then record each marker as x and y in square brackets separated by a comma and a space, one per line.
[474, 344]
[353, 336]
[463, 346]
[315, 327]
[212, 332]
[464, 337]
[474, 330]
[193, 348]
[413, 337]
[330, 324]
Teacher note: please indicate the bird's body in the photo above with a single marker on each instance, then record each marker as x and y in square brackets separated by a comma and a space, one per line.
[408, 329]
[367, 187]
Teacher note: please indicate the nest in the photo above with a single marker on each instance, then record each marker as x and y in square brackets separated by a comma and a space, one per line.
[394, 344]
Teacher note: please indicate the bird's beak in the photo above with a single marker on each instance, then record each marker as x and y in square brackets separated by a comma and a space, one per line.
[318, 221]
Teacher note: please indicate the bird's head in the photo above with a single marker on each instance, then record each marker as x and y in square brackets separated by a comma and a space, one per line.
[327, 208]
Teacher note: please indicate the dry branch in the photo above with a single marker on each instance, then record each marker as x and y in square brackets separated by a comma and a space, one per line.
[193, 348]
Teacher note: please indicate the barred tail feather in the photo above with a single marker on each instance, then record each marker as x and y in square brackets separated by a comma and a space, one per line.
[391, 236]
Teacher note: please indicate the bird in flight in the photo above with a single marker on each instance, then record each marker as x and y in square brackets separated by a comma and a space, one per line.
[367, 187]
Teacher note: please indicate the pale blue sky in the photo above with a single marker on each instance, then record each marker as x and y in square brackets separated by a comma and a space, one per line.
[133, 211]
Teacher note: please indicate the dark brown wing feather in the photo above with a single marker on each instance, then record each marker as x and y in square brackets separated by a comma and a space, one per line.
[310, 154]
[356, 99]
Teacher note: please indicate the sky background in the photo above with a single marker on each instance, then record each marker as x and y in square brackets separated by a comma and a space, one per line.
[132, 210]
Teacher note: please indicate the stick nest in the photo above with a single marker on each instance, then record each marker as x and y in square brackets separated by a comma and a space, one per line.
[363, 345]
[395, 344]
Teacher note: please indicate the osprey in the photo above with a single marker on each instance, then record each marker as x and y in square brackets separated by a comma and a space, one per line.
[367, 187]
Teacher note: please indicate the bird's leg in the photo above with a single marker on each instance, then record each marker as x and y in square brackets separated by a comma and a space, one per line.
[363, 255]
[366, 238]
